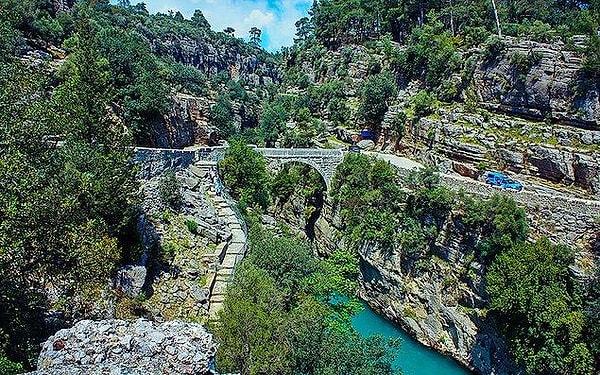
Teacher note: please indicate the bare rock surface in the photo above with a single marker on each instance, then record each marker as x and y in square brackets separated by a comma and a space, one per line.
[121, 347]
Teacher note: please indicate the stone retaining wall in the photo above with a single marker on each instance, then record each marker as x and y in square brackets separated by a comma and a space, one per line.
[564, 220]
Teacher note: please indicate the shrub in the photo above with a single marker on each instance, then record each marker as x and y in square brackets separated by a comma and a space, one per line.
[430, 54]
[398, 125]
[221, 116]
[8, 367]
[493, 48]
[541, 32]
[496, 225]
[244, 173]
[189, 79]
[170, 191]
[192, 226]
[423, 104]
[591, 61]
[539, 308]
[375, 94]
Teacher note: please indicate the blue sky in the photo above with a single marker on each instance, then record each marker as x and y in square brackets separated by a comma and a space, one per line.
[276, 18]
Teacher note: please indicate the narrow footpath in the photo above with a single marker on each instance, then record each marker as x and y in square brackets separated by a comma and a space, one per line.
[230, 253]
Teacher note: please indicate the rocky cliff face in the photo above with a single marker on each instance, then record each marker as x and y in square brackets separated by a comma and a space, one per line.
[212, 55]
[187, 123]
[439, 298]
[469, 143]
[539, 81]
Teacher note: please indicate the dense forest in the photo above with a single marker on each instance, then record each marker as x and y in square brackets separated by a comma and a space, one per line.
[80, 87]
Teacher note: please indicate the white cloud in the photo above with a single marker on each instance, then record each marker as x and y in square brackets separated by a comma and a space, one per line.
[276, 18]
[259, 18]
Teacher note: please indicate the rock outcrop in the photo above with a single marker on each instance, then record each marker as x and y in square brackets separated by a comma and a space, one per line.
[62, 5]
[469, 143]
[134, 348]
[539, 81]
[213, 54]
[186, 124]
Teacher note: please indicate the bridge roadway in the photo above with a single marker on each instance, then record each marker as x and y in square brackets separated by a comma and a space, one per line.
[563, 218]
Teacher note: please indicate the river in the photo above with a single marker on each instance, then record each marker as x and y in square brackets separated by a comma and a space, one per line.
[412, 357]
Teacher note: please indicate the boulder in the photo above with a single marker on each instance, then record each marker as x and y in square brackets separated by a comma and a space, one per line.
[587, 172]
[366, 144]
[551, 164]
[120, 347]
[130, 280]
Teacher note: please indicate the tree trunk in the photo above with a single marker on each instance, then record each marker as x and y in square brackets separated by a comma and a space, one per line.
[497, 19]
[452, 18]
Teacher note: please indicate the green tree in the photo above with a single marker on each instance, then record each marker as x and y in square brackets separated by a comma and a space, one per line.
[496, 224]
[170, 191]
[279, 320]
[199, 20]
[255, 34]
[538, 307]
[244, 173]
[272, 123]
[369, 198]
[251, 325]
[221, 116]
[429, 202]
[375, 94]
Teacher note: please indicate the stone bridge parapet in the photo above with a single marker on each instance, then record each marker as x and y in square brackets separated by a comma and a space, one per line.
[324, 161]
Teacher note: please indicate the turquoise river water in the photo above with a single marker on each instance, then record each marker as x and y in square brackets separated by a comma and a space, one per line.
[413, 358]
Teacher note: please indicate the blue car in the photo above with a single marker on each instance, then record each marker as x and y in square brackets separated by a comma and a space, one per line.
[502, 180]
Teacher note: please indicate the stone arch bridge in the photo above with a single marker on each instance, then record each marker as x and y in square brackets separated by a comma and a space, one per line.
[323, 161]
[562, 218]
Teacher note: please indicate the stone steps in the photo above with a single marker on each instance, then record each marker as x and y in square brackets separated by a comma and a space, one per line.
[232, 254]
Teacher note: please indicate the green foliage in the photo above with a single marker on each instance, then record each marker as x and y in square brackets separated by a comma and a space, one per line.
[64, 211]
[339, 22]
[221, 116]
[398, 125]
[169, 188]
[339, 113]
[493, 48]
[188, 79]
[422, 104]
[539, 308]
[369, 197]
[430, 54]
[429, 203]
[592, 314]
[496, 224]
[375, 94]
[8, 367]
[132, 71]
[192, 226]
[279, 316]
[591, 62]
[272, 123]
[523, 63]
[244, 173]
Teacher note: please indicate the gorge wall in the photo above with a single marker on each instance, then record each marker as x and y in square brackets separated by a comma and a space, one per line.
[431, 298]
[439, 297]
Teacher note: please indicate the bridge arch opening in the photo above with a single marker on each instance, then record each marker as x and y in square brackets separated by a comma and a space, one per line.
[298, 191]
